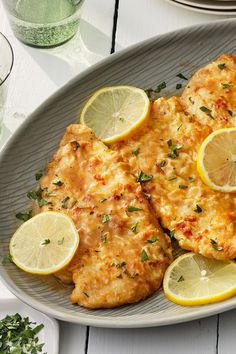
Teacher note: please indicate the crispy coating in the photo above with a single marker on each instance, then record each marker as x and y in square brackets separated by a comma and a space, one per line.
[123, 253]
[201, 219]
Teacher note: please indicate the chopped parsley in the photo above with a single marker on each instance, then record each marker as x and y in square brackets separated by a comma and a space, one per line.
[132, 276]
[19, 336]
[181, 278]
[121, 265]
[162, 163]
[227, 85]
[105, 218]
[102, 200]
[182, 186]
[152, 239]
[136, 152]
[34, 194]
[134, 227]
[24, 216]
[221, 66]
[64, 202]
[174, 148]
[198, 209]
[181, 76]
[42, 202]
[38, 175]
[46, 242]
[59, 183]
[144, 256]
[132, 208]
[178, 86]
[215, 245]
[60, 242]
[207, 111]
[160, 87]
[104, 238]
[142, 177]
[172, 178]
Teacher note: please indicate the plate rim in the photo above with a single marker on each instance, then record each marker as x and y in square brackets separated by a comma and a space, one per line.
[203, 10]
[92, 320]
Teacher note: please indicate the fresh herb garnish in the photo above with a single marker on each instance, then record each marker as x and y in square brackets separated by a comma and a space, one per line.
[160, 87]
[64, 202]
[227, 85]
[136, 152]
[191, 179]
[207, 111]
[172, 178]
[132, 208]
[172, 234]
[221, 66]
[60, 242]
[174, 148]
[102, 200]
[121, 265]
[34, 194]
[19, 336]
[134, 227]
[104, 238]
[59, 183]
[142, 177]
[181, 278]
[182, 186]
[42, 202]
[230, 112]
[46, 242]
[178, 86]
[215, 245]
[38, 175]
[105, 218]
[181, 76]
[198, 209]
[162, 163]
[24, 216]
[152, 239]
[144, 256]
[191, 100]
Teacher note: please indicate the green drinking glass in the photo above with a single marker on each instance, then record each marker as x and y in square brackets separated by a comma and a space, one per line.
[44, 23]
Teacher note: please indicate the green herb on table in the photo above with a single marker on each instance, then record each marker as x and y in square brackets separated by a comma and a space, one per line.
[24, 216]
[38, 175]
[34, 194]
[142, 177]
[19, 336]
[178, 86]
[181, 76]
[160, 87]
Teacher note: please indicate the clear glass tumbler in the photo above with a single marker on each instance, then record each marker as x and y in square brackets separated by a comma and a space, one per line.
[6, 64]
[44, 23]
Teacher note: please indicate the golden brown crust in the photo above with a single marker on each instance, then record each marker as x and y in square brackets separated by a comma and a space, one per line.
[96, 190]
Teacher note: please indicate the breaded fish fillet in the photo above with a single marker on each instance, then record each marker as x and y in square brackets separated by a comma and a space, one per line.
[123, 253]
[165, 150]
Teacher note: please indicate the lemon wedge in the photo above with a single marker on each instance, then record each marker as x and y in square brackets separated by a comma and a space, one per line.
[115, 112]
[216, 160]
[45, 243]
[195, 280]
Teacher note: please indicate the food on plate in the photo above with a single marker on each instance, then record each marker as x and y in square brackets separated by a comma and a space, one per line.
[114, 112]
[123, 253]
[19, 335]
[45, 243]
[216, 160]
[195, 280]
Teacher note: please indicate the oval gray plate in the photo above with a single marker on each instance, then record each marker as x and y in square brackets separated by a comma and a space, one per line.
[144, 65]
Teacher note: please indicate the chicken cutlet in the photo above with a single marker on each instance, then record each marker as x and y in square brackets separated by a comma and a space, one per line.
[123, 253]
[163, 156]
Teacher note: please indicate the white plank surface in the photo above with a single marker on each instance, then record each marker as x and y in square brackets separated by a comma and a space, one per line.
[227, 337]
[198, 337]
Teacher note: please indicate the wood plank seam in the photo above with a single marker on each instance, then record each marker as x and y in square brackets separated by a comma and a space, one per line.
[217, 334]
[86, 340]
[115, 20]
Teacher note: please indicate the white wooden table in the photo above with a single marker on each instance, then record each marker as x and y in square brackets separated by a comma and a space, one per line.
[108, 26]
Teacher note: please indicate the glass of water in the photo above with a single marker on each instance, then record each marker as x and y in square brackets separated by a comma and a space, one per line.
[44, 23]
[6, 64]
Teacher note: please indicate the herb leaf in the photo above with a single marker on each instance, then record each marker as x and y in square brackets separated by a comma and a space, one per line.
[136, 152]
[178, 86]
[59, 183]
[142, 177]
[152, 239]
[160, 87]
[227, 85]
[132, 208]
[144, 256]
[38, 175]
[105, 218]
[162, 163]
[181, 278]
[181, 76]
[42, 202]
[46, 242]
[64, 202]
[34, 194]
[221, 66]
[207, 111]
[134, 227]
[215, 245]
[121, 265]
[182, 186]
[198, 209]
[24, 216]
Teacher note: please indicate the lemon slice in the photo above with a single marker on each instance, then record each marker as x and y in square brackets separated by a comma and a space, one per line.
[115, 112]
[195, 280]
[45, 243]
[216, 160]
